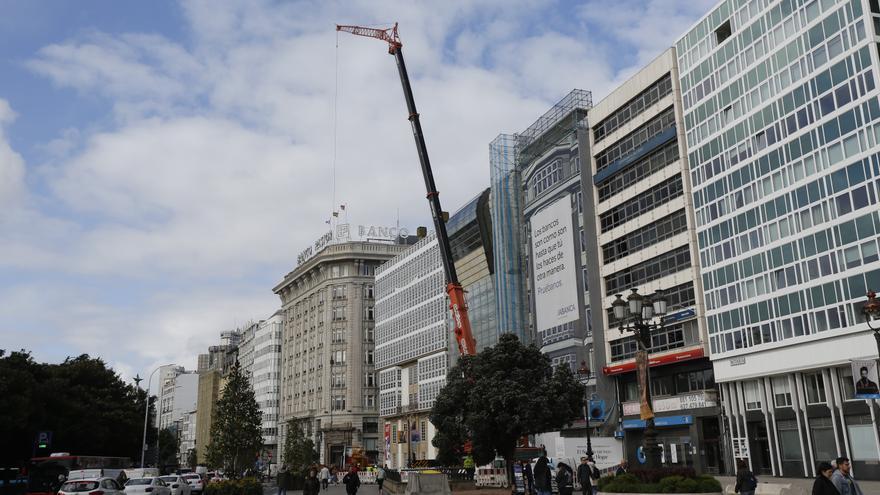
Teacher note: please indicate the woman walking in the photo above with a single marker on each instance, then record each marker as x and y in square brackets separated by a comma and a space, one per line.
[746, 483]
[823, 484]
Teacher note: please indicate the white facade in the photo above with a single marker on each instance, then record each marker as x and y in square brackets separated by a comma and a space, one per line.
[187, 435]
[412, 349]
[178, 394]
[259, 354]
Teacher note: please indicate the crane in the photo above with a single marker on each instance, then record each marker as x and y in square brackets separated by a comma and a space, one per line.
[457, 305]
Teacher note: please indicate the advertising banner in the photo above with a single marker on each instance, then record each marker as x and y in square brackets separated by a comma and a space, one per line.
[645, 411]
[388, 443]
[553, 267]
[865, 379]
[607, 451]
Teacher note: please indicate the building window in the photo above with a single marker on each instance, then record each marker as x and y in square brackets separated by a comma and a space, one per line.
[662, 385]
[823, 438]
[370, 379]
[658, 195]
[782, 393]
[789, 440]
[633, 108]
[369, 356]
[368, 292]
[752, 392]
[369, 313]
[369, 334]
[649, 270]
[815, 385]
[723, 32]
[369, 400]
[861, 438]
[338, 357]
[338, 402]
[424, 431]
[545, 178]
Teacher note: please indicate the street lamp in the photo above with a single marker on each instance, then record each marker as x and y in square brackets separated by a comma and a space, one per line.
[147, 415]
[584, 373]
[636, 314]
[871, 311]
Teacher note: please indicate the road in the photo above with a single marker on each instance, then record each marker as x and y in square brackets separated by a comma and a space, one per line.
[272, 489]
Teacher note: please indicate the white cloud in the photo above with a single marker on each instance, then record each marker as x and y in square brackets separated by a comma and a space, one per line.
[215, 170]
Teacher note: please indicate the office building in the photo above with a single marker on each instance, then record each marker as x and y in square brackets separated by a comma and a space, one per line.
[549, 161]
[641, 235]
[209, 394]
[413, 344]
[186, 435]
[782, 123]
[328, 378]
[178, 393]
[470, 238]
[259, 354]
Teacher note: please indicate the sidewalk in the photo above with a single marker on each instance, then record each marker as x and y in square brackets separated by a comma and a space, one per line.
[805, 485]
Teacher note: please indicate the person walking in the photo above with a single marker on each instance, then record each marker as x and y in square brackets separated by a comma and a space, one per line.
[623, 468]
[583, 475]
[564, 479]
[746, 483]
[325, 477]
[594, 475]
[312, 486]
[543, 484]
[380, 476]
[823, 484]
[842, 478]
[283, 480]
[351, 481]
[530, 478]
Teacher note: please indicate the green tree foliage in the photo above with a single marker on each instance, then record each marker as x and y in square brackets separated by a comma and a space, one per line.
[236, 433]
[169, 445]
[84, 403]
[299, 450]
[498, 396]
[192, 459]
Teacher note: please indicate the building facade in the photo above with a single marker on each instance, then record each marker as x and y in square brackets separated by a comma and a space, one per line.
[259, 354]
[186, 435]
[178, 394]
[549, 160]
[209, 393]
[328, 378]
[413, 340]
[782, 121]
[470, 238]
[642, 226]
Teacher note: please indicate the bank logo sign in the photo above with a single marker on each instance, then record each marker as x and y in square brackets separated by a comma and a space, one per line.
[345, 232]
[553, 268]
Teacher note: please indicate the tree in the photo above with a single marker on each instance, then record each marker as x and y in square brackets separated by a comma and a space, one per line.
[236, 432]
[85, 404]
[169, 445]
[192, 459]
[499, 395]
[299, 450]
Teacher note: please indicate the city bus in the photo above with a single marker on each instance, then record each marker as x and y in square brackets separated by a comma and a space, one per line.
[44, 473]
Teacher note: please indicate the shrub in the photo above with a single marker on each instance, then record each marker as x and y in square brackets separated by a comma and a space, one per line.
[655, 475]
[676, 483]
[246, 486]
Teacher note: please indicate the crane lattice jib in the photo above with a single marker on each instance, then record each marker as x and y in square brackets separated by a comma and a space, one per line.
[388, 35]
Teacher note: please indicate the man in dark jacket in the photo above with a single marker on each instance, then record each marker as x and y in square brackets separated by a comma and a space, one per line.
[584, 476]
[564, 479]
[283, 480]
[542, 476]
[823, 484]
[351, 481]
[530, 478]
[312, 485]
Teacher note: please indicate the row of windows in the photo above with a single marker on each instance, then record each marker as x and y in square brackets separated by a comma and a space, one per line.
[633, 108]
[648, 235]
[664, 339]
[799, 201]
[394, 275]
[633, 174]
[658, 195]
[546, 177]
[657, 267]
[810, 91]
[636, 138]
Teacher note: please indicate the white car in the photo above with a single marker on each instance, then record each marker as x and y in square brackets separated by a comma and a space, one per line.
[146, 486]
[178, 485]
[195, 482]
[91, 486]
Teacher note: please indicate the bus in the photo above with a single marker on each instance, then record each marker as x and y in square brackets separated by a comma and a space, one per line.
[44, 473]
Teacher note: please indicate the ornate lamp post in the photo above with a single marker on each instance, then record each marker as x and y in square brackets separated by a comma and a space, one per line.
[871, 311]
[636, 314]
[584, 373]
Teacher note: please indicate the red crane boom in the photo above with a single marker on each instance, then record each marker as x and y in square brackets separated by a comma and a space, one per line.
[461, 323]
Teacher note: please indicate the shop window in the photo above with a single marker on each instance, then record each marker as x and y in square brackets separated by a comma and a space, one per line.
[823, 438]
[789, 440]
[861, 438]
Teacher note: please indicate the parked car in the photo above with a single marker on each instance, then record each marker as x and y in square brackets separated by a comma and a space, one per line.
[195, 482]
[146, 486]
[178, 485]
[91, 486]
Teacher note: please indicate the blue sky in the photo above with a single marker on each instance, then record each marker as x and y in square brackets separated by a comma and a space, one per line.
[162, 163]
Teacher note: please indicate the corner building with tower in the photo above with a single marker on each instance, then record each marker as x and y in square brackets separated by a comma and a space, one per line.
[782, 123]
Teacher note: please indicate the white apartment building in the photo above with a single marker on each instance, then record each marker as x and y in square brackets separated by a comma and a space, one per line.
[413, 343]
[178, 394]
[259, 354]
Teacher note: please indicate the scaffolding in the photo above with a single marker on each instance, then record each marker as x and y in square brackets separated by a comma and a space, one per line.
[561, 119]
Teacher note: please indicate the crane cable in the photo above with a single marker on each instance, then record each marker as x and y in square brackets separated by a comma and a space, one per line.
[335, 131]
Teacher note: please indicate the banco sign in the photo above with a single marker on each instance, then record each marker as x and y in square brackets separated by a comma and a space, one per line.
[344, 233]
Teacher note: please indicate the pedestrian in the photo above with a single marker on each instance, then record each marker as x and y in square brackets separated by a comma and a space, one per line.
[564, 479]
[623, 468]
[325, 476]
[312, 486]
[530, 478]
[583, 475]
[746, 483]
[351, 481]
[823, 484]
[842, 478]
[283, 480]
[542, 476]
[380, 476]
[595, 474]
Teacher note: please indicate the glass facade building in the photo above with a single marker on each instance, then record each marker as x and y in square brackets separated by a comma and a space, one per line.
[782, 121]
